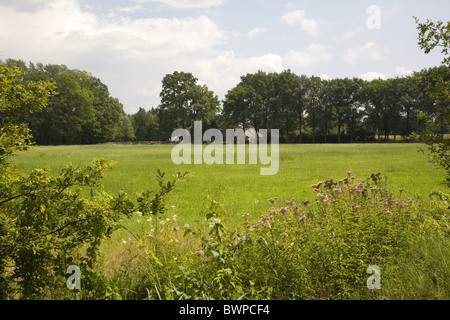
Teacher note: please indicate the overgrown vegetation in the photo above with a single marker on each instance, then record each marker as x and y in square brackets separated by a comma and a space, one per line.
[311, 249]
[433, 35]
[48, 222]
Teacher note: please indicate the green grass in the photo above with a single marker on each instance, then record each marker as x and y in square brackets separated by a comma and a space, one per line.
[241, 188]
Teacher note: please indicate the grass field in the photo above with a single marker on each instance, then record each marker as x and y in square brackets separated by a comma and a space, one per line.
[241, 188]
[323, 254]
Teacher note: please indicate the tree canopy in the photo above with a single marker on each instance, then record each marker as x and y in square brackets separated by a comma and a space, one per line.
[304, 109]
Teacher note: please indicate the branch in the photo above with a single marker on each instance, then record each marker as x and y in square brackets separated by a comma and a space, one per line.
[15, 197]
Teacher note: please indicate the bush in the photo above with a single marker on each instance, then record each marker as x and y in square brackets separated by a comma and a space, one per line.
[48, 223]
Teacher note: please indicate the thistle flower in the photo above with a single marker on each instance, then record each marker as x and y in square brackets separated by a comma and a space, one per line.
[322, 195]
[284, 210]
[199, 253]
[273, 200]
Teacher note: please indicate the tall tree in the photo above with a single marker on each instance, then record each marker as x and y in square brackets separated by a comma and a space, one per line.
[433, 35]
[314, 102]
[183, 101]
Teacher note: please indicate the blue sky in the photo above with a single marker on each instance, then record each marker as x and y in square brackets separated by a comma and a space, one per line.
[131, 44]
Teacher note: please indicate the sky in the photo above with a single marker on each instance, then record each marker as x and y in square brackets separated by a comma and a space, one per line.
[130, 45]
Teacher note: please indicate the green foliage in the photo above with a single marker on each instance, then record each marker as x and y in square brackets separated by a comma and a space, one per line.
[48, 222]
[83, 112]
[313, 250]
[183, 101]
[433, 35]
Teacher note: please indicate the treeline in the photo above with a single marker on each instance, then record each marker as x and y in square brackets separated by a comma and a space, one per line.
[83, 111]
[309, 109]
[304, 109]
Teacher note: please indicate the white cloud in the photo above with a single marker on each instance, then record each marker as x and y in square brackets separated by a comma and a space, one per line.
[349, 35]
[314, 54]
[368, 52]
[130, 8]
[294, 17]
[298, 18]
[63, 30]
[179, 4]
[223, 71]
[403, 72]
[131, 56]
[369, 76]
[252, 33]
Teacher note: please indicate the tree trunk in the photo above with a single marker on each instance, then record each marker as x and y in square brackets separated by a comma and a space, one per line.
[286, 128]
[339, 131]
[300, 129]
[314, 128]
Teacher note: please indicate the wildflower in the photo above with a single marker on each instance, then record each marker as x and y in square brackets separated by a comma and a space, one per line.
[305, 203]
[285, 234]
[357, 206]
[246, 215]
[322, 195]
[338, 190]
[266, 217]
[139, 213]
[401, 204]
[329, 183]
[273, 200]
[375, 189]
[302, 218]
[388, 212]
[349, 173]
[284, 210]
[291, 203]
[317, 185]
[199, 253]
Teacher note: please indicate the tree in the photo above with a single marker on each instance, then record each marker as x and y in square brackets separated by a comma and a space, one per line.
[145, 125]
[355, 110]
[125, 130]
[288, 102]
[183, 101]
[82, 113]
[431, 36]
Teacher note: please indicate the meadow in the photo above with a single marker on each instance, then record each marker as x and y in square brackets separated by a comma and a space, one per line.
[241, 188]
[231, 233]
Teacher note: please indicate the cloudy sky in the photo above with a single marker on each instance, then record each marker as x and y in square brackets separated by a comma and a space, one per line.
[132, 44]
